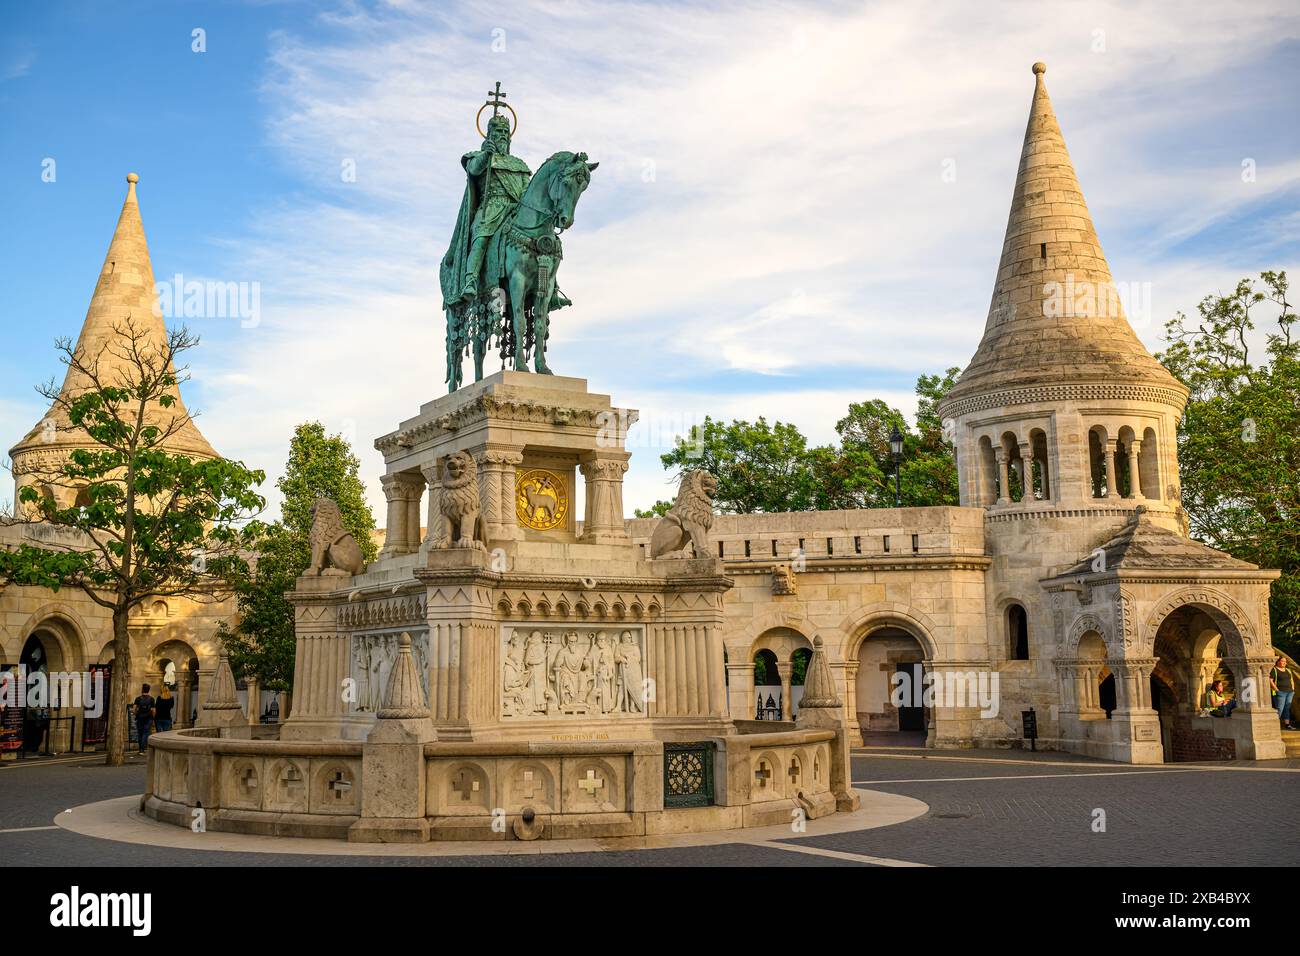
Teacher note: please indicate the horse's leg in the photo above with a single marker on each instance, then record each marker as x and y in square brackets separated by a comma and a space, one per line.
[519, 309]
[542, 320]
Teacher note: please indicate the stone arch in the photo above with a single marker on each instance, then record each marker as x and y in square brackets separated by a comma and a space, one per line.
[857, 626]
[1084, 624]
[68, 629]
[782, 641]
[1228, 616]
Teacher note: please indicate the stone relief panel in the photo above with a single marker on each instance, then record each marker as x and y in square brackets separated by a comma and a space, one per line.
[373, 656]
[578, 671]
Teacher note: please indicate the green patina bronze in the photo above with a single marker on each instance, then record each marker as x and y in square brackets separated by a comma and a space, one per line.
[498, 276]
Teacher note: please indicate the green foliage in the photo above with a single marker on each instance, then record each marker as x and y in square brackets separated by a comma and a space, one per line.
[262, 643]
[657, 510]
[768, 468]
[1239, 439]
[152, 523]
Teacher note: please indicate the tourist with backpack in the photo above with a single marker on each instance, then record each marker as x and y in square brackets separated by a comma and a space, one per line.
[143, 710]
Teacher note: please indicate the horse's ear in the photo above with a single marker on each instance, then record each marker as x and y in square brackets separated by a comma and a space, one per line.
[592, 166]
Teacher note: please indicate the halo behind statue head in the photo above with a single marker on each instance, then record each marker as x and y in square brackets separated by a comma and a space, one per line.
[478, 124]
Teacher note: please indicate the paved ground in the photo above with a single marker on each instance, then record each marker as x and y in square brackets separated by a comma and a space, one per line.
[985, 809]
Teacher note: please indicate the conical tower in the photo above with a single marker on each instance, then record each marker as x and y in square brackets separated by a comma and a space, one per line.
[1061, 406]
[123, 295]
[1064, 424]
[1054, 315]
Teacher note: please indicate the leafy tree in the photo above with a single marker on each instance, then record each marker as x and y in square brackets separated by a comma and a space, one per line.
[762, 468]
[262, 642]
[1239, 439]
[759, 467]
[154, 524]
[657, 510]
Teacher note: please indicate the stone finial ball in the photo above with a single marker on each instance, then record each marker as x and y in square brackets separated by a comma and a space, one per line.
[1040, 68]
[132, 178]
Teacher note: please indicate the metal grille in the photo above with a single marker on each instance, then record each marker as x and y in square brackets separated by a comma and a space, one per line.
[688, 775]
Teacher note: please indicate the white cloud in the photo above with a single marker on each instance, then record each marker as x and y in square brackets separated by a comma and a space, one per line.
[769, 202]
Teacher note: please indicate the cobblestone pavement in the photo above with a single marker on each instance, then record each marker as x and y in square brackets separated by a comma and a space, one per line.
[985, 809]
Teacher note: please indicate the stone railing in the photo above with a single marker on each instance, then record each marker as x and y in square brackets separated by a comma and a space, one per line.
[483, 790]
[862, 535]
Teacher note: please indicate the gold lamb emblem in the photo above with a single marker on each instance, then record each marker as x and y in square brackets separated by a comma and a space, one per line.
[541, 502]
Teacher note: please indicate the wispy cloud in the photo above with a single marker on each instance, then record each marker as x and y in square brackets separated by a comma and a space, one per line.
[771, 200]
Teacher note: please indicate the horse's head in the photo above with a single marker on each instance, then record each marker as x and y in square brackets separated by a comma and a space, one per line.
[568, 183]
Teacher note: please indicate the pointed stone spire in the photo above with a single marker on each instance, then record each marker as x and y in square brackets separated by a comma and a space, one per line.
[1055, 316]
[125, 291]
[404, 696]
[819, 686]
[222, 707]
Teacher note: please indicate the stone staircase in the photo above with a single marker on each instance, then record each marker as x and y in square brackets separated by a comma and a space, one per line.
[1292, 740]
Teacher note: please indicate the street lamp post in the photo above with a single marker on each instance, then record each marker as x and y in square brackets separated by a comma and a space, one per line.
[896, 449]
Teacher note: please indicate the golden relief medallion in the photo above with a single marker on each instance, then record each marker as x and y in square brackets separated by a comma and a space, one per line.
[541, 501]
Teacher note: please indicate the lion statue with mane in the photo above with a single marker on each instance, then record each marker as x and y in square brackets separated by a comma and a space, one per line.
[462, 526]
[684, 530]
[334, 552]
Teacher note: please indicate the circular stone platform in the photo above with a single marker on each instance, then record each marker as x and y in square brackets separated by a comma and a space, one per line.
[121, 820]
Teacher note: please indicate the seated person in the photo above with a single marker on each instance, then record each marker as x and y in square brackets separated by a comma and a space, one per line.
[1219, 703]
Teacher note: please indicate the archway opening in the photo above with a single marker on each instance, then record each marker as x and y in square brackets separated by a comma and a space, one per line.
[767, 687]
[889, 692]
[1017, 633]
[1194, 690]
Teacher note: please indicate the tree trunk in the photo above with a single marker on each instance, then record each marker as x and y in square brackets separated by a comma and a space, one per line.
[120, 695]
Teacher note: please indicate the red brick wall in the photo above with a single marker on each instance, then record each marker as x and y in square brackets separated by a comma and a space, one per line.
[1191, 744]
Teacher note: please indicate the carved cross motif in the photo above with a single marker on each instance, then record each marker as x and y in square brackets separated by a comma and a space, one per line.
[340, 785]
[762, 774]
[591, 783]
[465, 784]
[290, 782]
[793, 772]
[529, 784]
[248, 781]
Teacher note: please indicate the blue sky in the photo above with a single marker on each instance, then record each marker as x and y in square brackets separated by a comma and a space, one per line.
[770, 231]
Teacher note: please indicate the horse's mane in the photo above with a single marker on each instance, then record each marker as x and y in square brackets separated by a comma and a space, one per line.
[558, 162]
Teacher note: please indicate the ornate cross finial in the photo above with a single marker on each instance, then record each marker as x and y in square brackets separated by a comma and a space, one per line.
[496, 96]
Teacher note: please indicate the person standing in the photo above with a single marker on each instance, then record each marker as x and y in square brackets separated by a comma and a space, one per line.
[1283, 684]
[163, 710]
[143, 709]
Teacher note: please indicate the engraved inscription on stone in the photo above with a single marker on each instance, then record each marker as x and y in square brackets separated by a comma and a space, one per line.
[581, 671]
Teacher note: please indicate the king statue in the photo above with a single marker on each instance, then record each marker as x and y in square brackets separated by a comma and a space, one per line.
[498, 276]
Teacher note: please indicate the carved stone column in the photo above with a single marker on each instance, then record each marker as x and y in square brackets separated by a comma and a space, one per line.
[1134, 475]
[433, 521]
[1004, 478]
[1026, 473]
[1132, 685]
[603, 523]
[1112, 467]
[395, 535]
[413, 487]
[785, 669]
[1256, 670]
[508, 526]
[322, 662]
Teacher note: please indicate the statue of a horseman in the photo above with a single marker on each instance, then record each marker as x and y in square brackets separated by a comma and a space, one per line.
[498, 276]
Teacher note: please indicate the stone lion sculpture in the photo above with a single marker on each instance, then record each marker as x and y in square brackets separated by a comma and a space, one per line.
[462, 525]
[334, 552]
[684, 530]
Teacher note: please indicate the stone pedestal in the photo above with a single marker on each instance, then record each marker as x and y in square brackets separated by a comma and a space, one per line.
[322, 665]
